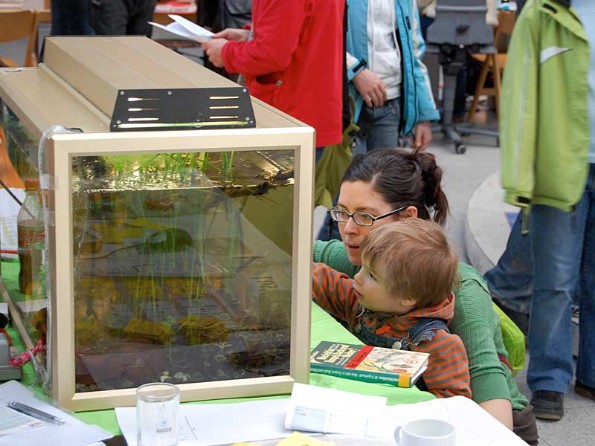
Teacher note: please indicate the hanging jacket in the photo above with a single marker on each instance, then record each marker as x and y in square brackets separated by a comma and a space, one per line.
[544, 125]
[295, 61]
[416, 96]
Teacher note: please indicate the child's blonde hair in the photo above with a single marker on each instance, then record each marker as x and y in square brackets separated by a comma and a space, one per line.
[413, 259]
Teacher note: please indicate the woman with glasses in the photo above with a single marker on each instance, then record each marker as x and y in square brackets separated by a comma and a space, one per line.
[388, 185]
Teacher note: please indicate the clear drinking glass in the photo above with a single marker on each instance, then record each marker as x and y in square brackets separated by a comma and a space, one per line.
[157, 407]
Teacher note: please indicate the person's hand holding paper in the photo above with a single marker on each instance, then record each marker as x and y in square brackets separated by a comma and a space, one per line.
[214, 47]
[237, 35]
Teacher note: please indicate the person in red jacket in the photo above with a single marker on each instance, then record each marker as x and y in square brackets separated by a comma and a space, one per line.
[292, 58]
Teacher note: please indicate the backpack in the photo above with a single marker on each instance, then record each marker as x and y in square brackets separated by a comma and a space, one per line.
[514, 342]
[512, 336]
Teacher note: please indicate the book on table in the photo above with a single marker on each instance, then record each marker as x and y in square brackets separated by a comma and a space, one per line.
[401, 368]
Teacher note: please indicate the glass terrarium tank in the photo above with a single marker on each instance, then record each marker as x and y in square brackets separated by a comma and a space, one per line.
[169, 251]
[174, 256]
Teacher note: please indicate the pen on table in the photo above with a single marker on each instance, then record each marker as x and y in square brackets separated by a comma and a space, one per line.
[35, 413]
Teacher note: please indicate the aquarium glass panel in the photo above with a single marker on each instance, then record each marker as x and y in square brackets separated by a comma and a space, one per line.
[22, 268]
[20, 145]
[182, 266]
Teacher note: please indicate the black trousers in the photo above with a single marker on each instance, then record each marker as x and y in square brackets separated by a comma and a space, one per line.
[122, 17]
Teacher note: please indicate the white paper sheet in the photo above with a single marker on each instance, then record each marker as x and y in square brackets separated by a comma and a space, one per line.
[73, 433]
[8, 221]
[12, 422]
[214, 424]
[333, 399]
[360, 419]
[363, 417]
[319, 409]
[474, 426]
[185, 28]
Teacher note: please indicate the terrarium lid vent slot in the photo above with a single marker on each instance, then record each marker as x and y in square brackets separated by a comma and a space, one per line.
[182, 109]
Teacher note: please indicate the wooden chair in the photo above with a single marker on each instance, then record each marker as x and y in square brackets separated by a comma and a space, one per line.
[16, 24]
[41, 16]
[493, 63]
[8, 174]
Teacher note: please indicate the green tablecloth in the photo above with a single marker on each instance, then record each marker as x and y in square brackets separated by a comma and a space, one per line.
[323, 328]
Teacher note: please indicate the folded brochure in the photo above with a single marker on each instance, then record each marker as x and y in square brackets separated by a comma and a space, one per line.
[334, 411]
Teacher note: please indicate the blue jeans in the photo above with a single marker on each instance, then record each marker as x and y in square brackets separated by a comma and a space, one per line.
[329, 229]
[563, 253]
[378, 127]
[421, 331]
[318, 151]
[511, 280]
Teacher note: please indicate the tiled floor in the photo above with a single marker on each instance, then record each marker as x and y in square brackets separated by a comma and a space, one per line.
[577, 428]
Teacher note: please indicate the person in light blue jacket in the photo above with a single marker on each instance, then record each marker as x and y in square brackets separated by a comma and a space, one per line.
[387, 79]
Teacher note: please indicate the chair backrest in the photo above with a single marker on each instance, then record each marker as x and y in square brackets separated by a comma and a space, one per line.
[16, 24]
[460, 23]
[502, 33]
[43, 16]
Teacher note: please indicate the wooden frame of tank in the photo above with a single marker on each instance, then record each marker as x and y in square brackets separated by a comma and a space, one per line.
[76, 88]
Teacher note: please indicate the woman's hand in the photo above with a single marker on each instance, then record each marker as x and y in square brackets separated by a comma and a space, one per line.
[237, 35]
[423, 136]
[371, 87]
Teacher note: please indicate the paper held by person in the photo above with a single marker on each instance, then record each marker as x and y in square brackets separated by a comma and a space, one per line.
[185, 28]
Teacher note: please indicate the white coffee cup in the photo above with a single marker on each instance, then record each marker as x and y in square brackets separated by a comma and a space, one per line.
[426, 432]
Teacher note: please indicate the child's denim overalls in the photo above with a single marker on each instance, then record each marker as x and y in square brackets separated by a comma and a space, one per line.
[421, 331]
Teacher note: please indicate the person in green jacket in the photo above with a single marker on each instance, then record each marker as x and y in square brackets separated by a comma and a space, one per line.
[378, 184]
[547, 134]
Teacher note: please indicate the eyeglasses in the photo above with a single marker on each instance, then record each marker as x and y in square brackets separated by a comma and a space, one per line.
[360, 218]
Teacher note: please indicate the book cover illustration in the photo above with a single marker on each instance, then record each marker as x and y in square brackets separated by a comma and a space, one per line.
[368, 363]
